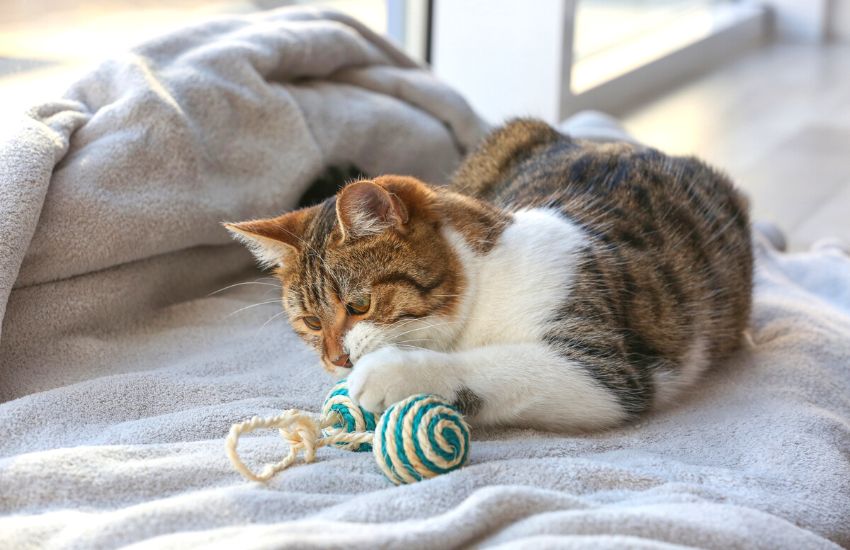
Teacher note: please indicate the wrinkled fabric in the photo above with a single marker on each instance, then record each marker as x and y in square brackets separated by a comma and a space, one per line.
[126, 354]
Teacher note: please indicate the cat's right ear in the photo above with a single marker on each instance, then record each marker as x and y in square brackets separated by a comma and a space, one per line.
[366, 208]
[271, 240]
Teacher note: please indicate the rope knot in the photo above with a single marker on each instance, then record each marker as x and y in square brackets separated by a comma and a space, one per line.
[299, 429]
[417, 438]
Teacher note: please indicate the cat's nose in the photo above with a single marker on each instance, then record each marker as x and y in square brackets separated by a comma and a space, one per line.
[342, 361]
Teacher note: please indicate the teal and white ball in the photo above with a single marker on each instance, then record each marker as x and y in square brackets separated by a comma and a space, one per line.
[419, 438]
[349, 417]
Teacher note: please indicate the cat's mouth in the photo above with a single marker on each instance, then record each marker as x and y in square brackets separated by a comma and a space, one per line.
[343, 362]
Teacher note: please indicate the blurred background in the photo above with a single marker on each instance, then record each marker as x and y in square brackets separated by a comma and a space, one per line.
[760, 89]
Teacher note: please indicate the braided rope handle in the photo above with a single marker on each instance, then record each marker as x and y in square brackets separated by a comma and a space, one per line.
[301, 430]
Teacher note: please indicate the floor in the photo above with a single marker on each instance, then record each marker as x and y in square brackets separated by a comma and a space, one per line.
[46, 45]
[778, 121]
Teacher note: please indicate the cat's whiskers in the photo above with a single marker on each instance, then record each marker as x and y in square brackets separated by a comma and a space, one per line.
[414, 340]
[407, 343]
[228, 287]
[278, 301]
[431, 326]
[426, 327]
[402, 323]
[409, 347]
[438, 325]
[270, 319]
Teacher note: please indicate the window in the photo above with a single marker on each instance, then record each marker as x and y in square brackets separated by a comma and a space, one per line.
[615, 37]
[551, 58]
[547, 58]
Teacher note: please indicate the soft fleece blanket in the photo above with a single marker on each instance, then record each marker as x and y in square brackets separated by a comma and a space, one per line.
[122, 368]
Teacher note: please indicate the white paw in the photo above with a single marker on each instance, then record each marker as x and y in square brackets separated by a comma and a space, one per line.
[388, 375]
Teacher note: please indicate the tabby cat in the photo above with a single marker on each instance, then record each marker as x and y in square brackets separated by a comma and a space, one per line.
[556, 283]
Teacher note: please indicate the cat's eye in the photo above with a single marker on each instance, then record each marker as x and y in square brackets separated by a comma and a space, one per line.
[312, 322]
[359, 306]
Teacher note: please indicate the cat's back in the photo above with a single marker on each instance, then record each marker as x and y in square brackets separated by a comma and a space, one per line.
[527, 164]
[668, 262]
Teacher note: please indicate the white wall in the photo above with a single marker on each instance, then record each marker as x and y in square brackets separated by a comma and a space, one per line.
[811, 21]
[803, 21]
[483, 48]
[840, 21]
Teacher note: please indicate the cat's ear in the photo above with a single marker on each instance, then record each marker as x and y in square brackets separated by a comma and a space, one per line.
[366, 208]
[273, 239]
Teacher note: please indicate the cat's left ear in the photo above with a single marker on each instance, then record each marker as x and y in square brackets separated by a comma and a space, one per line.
[366, 208]
[271, 240]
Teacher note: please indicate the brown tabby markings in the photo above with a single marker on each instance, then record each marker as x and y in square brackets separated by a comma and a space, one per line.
[408, 276]
[669, 257]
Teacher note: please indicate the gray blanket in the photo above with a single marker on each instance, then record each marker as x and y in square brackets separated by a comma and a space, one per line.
[122, 368]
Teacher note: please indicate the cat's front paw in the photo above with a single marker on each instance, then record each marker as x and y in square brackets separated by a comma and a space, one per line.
[388, 375]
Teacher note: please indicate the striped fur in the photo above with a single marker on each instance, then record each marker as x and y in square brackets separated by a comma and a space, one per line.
[556, 283]
[667, 266]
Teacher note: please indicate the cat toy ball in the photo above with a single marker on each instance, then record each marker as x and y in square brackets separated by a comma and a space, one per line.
[417, 438]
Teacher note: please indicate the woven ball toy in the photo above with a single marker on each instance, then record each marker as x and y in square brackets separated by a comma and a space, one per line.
[348, 417]
[417, 438]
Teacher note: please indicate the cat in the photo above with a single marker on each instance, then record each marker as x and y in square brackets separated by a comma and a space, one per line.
[556, 283]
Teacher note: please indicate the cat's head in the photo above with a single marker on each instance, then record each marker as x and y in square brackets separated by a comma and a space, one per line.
[370, 267]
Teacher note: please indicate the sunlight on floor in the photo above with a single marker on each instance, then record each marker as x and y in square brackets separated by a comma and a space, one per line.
[45, 45]
[614, 37]
[787, 151]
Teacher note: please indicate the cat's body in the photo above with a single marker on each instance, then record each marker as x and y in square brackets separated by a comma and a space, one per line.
[556, 284]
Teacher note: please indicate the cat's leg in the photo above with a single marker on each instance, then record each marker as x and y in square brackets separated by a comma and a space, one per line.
[515, 384]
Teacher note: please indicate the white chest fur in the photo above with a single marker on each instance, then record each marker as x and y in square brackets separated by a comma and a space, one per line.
[521, 281]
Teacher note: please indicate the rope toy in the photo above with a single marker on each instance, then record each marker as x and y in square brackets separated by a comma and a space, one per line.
[417, 438]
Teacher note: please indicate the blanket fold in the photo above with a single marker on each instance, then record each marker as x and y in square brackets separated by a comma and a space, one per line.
[134, 335]
[224, 121]
[29, 148]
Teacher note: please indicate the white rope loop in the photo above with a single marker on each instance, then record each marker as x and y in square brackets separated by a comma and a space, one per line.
[301, 430]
